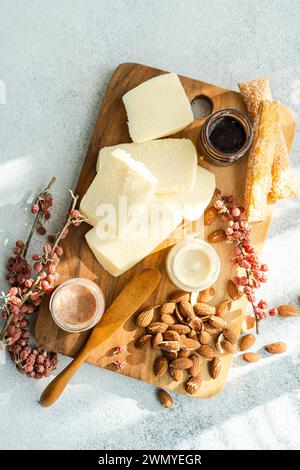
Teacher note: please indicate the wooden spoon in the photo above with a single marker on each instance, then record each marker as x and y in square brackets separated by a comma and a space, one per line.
[128, 301]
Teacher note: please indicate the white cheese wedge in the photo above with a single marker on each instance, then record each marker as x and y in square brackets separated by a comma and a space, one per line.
[193, 203]
[121, 184]
[120, 254]
[157, 108]
[172, 161]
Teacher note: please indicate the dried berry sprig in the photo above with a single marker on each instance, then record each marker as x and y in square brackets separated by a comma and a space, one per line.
[18, 268]
[119, 363]
[244, 254]
[41, 207]
[25, 293]
[118, 351]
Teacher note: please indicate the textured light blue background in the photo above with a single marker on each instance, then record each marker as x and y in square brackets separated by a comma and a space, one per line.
[56, 59]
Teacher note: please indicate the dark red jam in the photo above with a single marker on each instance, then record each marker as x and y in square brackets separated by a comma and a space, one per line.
[227, 135]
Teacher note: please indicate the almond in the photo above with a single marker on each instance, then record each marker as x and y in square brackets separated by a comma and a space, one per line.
[276, 348]
[251, 357]
[176, 374]
[182, 363]
[217, 236]
[180, 318]
[169, 345]
[250, 322]
[233, 290]
[189, 344]
[168, 307]
[156, 340]
[206, 295]
[214, 367]
[145, 317]
[170, 355]
[203, 309]
[195, 369]
[210, 215]
[247, 341]
[211, 329]
[227, 346]
[223, 308]
[181, 329]
[143, 341]
[167, 319]
[193, 335]
[286, 311]
[156, 327]
[206, 351]
[204, 337]
[195, 323]
[171, 335]
[230, 335]
[193, 384]
[161, 366]
[182, 353]
[217, 322]
[179, 296]
[165, 399]
[186, 310]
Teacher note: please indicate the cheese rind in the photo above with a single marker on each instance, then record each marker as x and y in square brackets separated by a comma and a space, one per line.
[172, 161]
[194, 202]
[157, 108]
[120, 254]
[121, 179]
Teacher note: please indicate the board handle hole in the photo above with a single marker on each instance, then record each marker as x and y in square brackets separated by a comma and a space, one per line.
[202, 106]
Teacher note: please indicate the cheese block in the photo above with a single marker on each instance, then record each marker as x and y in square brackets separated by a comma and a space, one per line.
[193, 203]
[157, 108]
[172, 161]
[121, 184]
[117, 255]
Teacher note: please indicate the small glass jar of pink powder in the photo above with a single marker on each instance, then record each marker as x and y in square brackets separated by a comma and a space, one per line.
[77, 305]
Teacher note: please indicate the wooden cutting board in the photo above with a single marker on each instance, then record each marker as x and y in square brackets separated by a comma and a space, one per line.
[78, 260]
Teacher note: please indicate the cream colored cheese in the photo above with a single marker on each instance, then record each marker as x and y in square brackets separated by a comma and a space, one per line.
[194, 201]
[117, 255]
[172, 161]
[157, 108]
[123, 183]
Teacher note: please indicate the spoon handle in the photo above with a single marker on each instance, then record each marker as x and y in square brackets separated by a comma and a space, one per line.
[53, 391]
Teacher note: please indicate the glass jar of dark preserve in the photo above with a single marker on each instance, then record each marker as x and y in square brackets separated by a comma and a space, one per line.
[226, 136]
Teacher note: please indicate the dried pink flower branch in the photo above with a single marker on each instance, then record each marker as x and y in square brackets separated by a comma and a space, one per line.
[26, 291]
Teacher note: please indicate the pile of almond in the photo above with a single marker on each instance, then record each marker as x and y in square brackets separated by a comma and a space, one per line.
[183, 333]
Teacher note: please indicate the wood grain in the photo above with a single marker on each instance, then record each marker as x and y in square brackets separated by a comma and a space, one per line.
[78, 261]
